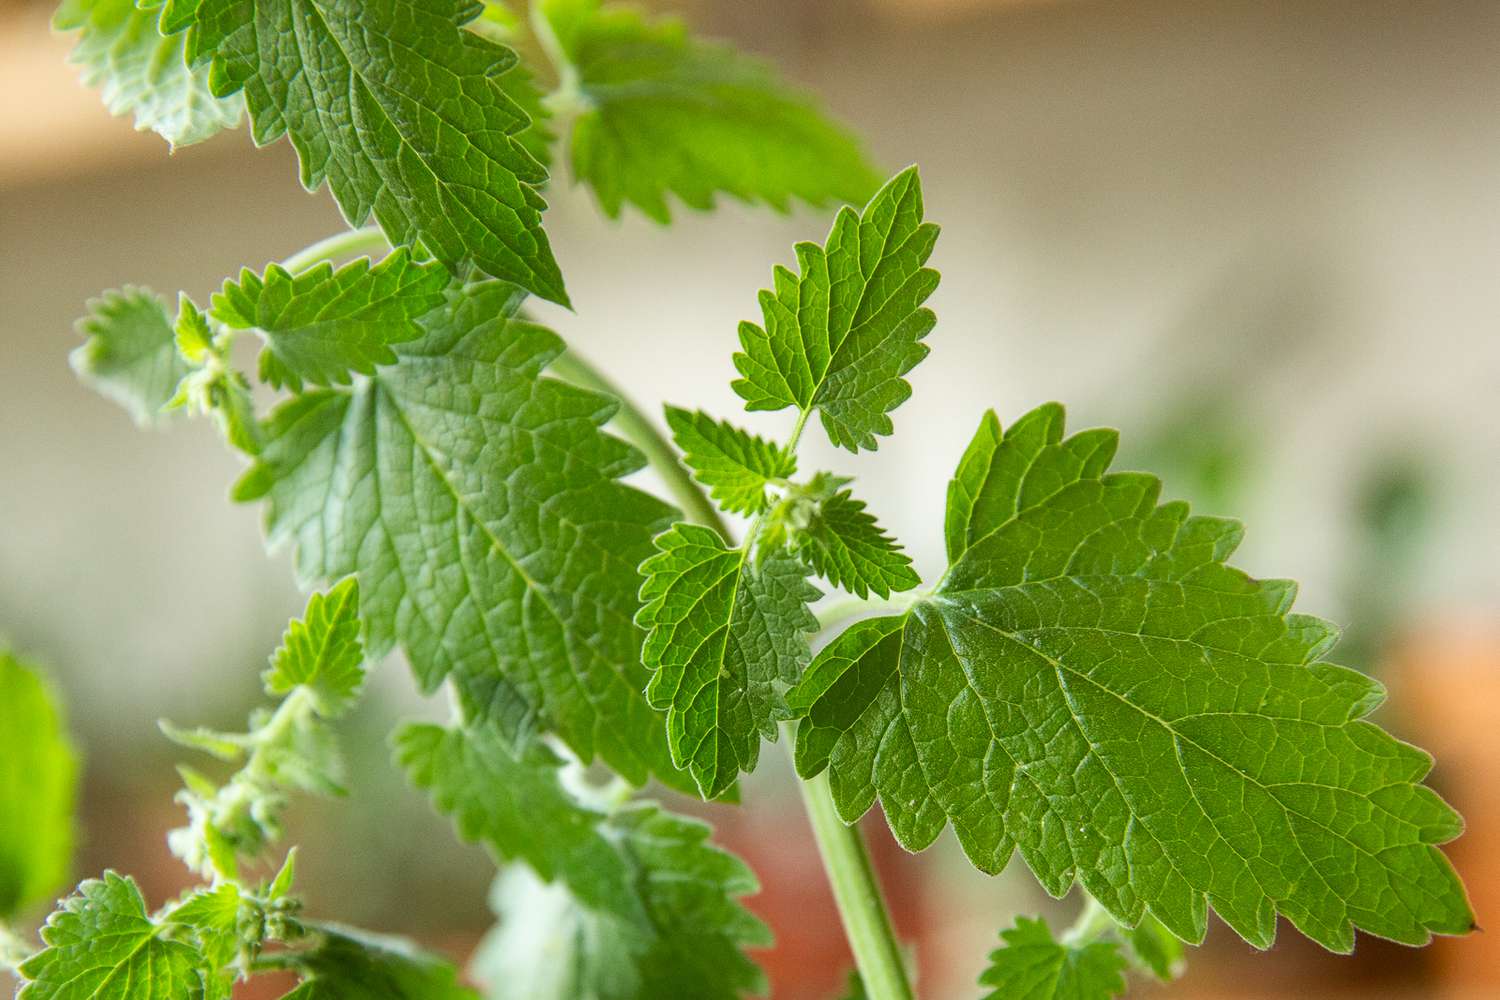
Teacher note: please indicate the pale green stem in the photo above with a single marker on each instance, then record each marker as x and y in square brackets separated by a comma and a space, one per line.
[1093, 921]
[345, 244]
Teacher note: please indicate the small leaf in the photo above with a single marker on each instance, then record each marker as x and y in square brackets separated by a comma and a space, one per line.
[38, 785]
[736, 466]
[840, 334]
[322, 652]
[1034, 966]
[214, 916]
[1131, 712]
[642, 907]
[138, 70]
[355, 965]
[102, 945]
[422, 134]
[320, 324]
[727, 635]
[669, 114]
[131, 352]
[842, 543]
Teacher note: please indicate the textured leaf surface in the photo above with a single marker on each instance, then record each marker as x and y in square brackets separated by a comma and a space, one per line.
[320, 324]
[131, 352]
[139, 71]
[352, 965]
[650, 908]
[840, 334]
[322, 652]
[1034, 966]
[479, 505]
[38, 785]
[1092, 683]
[843, 544]
[735, 465]
[668, 114]
[102, 945]
[397, 107]
[728, 635]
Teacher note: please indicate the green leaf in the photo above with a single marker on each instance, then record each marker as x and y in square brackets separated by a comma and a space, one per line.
[665, 113]
[354, 965]
[736, 466]
[138, 70]
[728, 635]
[1034, 966]
[479, 504]
[322, 652]
[842, 543]
[214, 916]
[214, 386]
[320, 324]
[38, 785]
[642, 905]
[131, 352]
[421, 135]
[102, 945]
[840, 334]
[1092, 683]
[1154, 949]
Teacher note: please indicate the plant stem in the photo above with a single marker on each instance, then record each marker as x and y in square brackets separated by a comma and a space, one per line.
[856, 891]
[344, 244]
[638, 429]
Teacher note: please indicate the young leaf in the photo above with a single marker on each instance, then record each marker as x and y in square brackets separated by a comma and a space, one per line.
[651, 908]
[1035, 966]
[322, 652]
[479, 504]
[728, 634]
[320, 324]
[138, 70]
[842, 543]
[102, 945]
[420, 134]
[840, 335]
[353, 965]
[38, 784]
[736, 466]
[131, 352]
[1092, 683]
[665, 113]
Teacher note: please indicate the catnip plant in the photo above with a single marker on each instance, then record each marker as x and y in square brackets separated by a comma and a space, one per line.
[1089, 682]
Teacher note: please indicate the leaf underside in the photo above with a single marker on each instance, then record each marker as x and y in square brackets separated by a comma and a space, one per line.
[353, 965]
[131, 352]
[1092, 684]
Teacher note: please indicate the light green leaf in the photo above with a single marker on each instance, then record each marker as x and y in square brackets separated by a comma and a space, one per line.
[320, 324]
[38, 785]
[421, 135]
[354, 965]
[131, 352]
[479, 504]
[138, 70]
[641, 907]
[322, 652]
[102, 945]
[728, 635]
[1034, 966]
[667, 114]
[842, 543]
[736, 466]
[1092, 683]
[213, 385]
[1154, 949]
[214, 917]
[840, 334]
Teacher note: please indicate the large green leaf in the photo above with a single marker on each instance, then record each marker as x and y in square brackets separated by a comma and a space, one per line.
[139, 70]
[1035, 966]
[840, 334]
[479, 504]
[667, 114]
[728, 636]
[38, 784]
[1092, 683]
[398, 108]
[640, 907]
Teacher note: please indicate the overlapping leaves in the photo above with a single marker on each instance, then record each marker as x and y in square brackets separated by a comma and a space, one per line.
[1093, 684]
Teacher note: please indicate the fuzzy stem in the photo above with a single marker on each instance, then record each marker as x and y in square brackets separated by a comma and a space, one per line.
[856, 890]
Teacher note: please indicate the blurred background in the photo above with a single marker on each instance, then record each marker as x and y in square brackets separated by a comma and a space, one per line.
[1261, 238]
